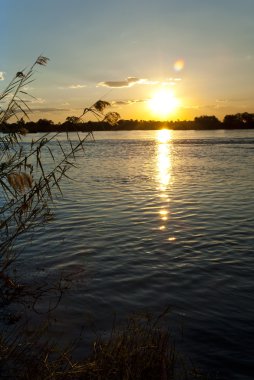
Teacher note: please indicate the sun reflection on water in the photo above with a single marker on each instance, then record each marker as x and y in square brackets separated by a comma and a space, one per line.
[164, 165]
[164, 159]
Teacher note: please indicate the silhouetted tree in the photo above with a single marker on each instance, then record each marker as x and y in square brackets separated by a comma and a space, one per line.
[232, 122]
[247, 119]
[72, 119]
[209, 122]
[239, 120]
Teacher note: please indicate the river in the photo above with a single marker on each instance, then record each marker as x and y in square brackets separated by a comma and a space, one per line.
[153, 219]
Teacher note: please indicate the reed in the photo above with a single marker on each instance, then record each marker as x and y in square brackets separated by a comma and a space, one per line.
[27, 185]
[141, 349]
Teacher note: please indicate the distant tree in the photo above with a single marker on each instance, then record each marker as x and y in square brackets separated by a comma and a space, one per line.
[72, 119]
[239, 120]
[232, 121]
[209, 122]
[247, 119]
[45, 122]
[21, 122]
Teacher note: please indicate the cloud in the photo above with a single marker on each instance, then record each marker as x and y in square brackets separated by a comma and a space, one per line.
[30, 101]
[46, 110]
[127, 102]
[129, 82]
[171, 81]
[2, 75]
[148, 81]
[238, 100]
[220, 102]
[37, 101]
[28, 88]
[76, 86]
[72, 87]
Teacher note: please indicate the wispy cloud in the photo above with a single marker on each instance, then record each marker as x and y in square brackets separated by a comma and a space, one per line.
[129, 82]
[28, 88]
[220, 103]
[238, 100]
[30, 101]
[77, 86]
[148, 81]
[171, 81]
[37, 101]
[127, 102]
[2, 75]
[72, 87]
[46, 110]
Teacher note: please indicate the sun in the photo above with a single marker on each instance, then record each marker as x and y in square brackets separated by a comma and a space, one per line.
[163, 103]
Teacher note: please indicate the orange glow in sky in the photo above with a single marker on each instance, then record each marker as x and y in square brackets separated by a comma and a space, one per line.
[163, 103]
[125, 61]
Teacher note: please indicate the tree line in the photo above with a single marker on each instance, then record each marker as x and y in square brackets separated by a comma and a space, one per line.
[243, 120]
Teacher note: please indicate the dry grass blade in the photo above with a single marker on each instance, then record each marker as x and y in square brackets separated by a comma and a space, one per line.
[112, 118]
[135, 351]
[100, 105]
[42, 60]
[20, 181]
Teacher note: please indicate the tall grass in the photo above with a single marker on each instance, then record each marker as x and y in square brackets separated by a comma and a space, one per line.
[141, 349]
[27, 185]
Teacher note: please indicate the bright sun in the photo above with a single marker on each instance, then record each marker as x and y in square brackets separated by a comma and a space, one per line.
[163, 103]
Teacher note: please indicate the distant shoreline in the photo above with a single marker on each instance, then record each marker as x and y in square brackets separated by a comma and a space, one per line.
[110, 129]
[241, 121]
[88, 130]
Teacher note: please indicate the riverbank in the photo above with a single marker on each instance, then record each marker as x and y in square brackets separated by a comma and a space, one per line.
[141, 349]
[230, 122]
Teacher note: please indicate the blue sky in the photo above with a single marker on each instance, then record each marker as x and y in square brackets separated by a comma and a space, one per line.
[94, 47]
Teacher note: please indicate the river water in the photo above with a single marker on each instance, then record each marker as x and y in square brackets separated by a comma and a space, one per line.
[155, 219]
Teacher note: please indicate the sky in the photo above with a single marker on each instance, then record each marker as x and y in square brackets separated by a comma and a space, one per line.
[163, 59]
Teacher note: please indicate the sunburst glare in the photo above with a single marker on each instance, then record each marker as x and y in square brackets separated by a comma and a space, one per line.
[164, 135]
[163, 103]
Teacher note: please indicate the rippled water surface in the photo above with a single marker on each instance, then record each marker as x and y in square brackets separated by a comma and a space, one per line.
[161, 220]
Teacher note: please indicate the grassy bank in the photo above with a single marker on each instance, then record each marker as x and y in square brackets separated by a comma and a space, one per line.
[142, 348]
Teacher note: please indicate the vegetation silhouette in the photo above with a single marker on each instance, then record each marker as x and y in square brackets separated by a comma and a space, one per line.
[112, 122]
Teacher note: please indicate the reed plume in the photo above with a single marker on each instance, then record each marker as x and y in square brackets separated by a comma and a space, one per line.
[27, 185]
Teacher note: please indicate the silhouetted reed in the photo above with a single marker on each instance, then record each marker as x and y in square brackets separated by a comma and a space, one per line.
[27, 185]
[141, 349]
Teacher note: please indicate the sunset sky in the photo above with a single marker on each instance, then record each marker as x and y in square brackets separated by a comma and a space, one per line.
[163, 59]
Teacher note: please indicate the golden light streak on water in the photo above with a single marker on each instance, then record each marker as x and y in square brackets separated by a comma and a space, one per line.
[164, 159]
[164, 166]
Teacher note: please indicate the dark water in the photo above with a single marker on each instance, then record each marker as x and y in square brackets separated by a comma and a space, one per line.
[155, 223]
